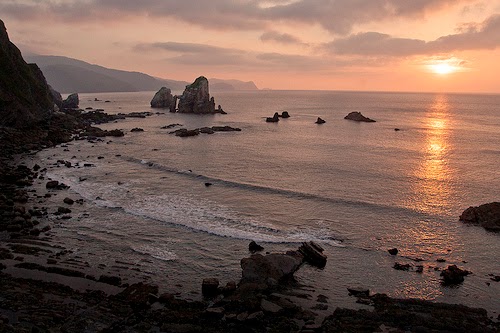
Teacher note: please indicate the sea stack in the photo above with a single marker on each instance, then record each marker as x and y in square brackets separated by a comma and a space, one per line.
[196, 98]
[357, 116]
[162, 99]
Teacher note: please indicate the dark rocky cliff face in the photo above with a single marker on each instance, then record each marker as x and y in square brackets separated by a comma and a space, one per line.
[25, 97]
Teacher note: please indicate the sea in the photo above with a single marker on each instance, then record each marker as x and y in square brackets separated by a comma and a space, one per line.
[357, 189]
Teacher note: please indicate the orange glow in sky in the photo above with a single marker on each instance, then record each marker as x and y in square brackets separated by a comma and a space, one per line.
[435, 45]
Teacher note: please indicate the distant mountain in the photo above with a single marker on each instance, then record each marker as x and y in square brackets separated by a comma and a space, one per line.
[69, 75]
[219, 84]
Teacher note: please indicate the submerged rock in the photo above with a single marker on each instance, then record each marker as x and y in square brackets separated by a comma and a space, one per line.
[486, 215]
[357, 116]
[162, 99]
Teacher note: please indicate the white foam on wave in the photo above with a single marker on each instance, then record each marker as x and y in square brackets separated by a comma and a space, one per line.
[193, 213]
[155, 251]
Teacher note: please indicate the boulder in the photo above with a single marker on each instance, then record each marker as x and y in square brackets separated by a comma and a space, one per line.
[68, 201]
[285, 114]
[210, 287]
[486, 215]
[136, 129]
[453, 275]
[196, 98]
[276, 266]
[254, 247]
[320, 121]
[359, 292]
[273, 119]
[313, 254]
[357, 116]
[163, 98]
[71, 102]
[393, 251]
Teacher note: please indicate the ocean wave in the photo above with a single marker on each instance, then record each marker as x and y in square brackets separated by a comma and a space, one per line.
[199, 215]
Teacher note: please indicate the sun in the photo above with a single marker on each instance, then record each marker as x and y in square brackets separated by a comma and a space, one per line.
[442, 68]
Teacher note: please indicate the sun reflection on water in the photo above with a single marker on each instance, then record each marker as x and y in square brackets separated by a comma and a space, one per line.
[432, 190]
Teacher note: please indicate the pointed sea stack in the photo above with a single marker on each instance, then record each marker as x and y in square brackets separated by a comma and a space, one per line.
[196, 99]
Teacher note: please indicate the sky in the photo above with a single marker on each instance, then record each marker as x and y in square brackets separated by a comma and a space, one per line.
[375, 45]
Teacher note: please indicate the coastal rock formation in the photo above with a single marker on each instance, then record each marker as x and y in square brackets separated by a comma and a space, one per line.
[162, 99]
[487, 216]
[273, 267]
[183, 132]
[196, 98]
[453, 275]
[25, 96]
[71, 102]
[274, 119]
[320, 121]
[357, 116]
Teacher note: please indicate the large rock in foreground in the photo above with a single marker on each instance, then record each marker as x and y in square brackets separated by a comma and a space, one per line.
[162, 99]
[196, 98]
[271, 268]
[487, 216]
[25, 97]
[357, 116]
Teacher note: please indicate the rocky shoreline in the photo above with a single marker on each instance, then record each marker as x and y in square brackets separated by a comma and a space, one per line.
[44, 290]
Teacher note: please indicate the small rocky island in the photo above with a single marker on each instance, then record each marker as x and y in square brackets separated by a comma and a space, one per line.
[163, 99]
[486, 216]
[195, 99]
[357, 116]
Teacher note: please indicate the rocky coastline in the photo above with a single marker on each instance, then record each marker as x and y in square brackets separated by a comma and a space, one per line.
[44, 290]
[42, 286]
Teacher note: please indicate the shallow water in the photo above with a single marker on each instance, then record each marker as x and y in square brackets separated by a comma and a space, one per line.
[356, 188]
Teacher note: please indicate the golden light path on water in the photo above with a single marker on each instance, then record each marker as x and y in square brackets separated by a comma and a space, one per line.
[431, 193]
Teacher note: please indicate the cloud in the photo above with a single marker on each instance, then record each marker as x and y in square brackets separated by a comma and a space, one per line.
[207, 55]
[283, 38]
[475, 37]
[187, 48]
[338, 16]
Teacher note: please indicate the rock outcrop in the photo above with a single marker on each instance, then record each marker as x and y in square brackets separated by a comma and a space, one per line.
[71, 102]
[271, 268]
[357, 116]
[163, 99]
[196, 98]
[487, 216]
[274, 119]
[25, 97]
[320, 121]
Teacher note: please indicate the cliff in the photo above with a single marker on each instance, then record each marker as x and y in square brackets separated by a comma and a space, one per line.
[25, 96]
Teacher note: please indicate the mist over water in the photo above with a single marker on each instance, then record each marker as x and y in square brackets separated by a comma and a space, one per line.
[355, 188]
